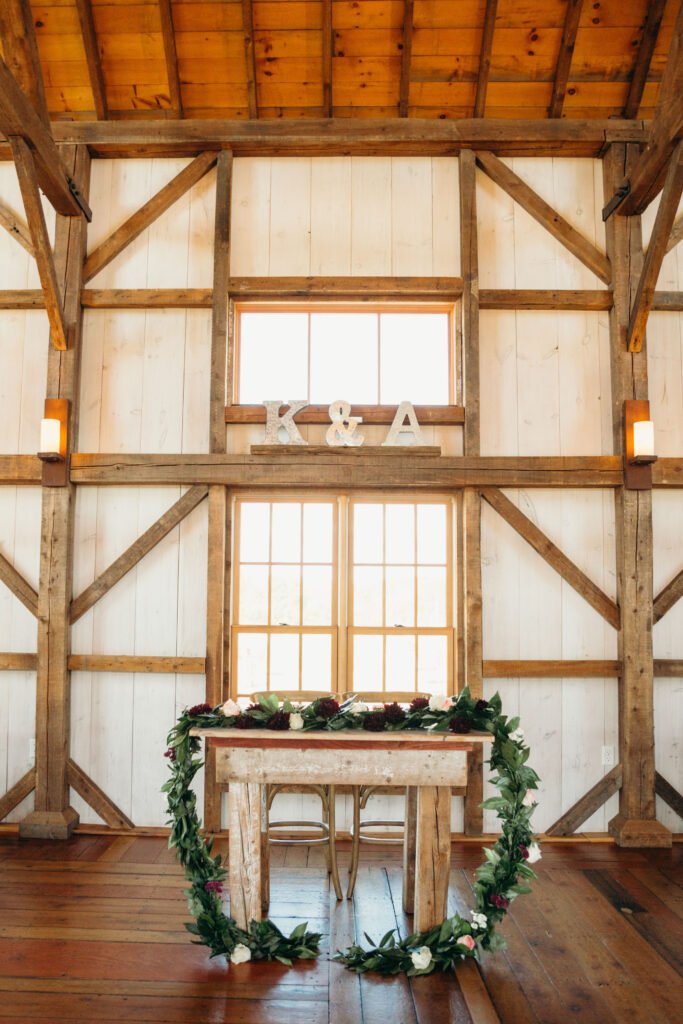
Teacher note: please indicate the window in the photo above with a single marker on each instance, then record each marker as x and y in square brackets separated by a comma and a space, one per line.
[381, 617]
[369, 357]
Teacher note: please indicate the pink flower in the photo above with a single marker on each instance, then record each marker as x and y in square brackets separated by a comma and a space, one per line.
[529, 798]
[231, 709]
[466, 940]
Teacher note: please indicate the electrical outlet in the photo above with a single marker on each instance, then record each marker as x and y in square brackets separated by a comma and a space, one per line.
[608, 757]
[31, 752]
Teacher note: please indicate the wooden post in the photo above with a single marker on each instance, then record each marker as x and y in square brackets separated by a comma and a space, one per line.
[245, 853]
[635, 824]
[52, 816]
[433, 855]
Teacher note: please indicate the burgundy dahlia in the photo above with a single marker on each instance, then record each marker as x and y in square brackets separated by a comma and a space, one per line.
[375, 721]
[170, 754]
[200, 709]
[279, 720]
[419, 704]
[244, 722]
[394, 713]
[215, 886]
[500, 902]
[328, 708]
[481, 706]
[524, 851]
[460, 724]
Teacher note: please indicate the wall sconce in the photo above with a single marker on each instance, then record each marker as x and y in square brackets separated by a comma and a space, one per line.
[53, 442]
[639, 436]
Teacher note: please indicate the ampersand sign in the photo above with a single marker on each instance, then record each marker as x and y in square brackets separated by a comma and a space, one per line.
[343, 428]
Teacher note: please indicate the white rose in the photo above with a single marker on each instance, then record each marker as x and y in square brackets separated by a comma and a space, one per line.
[517, 736]
[534, 853]
[529, 798]
[439, 702]
[240, 954]
[421, 958]
[358, 707]
[231, 709]
[479, 921]
[296, 721]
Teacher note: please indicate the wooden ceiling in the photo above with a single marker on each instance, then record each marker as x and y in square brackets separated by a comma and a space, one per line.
[352, 58]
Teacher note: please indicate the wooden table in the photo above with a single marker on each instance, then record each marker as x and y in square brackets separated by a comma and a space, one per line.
[427, 764]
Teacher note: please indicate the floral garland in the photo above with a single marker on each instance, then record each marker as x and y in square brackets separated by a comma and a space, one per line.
[497, 879]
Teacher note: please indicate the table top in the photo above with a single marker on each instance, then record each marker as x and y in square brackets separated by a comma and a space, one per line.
[343, 739]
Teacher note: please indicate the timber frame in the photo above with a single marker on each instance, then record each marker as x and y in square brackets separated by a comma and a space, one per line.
[214, 476]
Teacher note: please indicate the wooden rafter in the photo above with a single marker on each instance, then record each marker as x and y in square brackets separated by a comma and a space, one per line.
[19, 586]
[221, 289]
[676, 235]
[147, 214]
[96, 797]
[588, 804]
[19, 791]
[559, 669]
[328, 53]
[549, 218]
[171, 56]
[667, 598]
[147, 663]
[29, 185]
[556, 558]
[137, 550]
[12, 661]
[656, 250]
[250, 57]
[16, 228]
[406, 58]
[564, 60]
[655, 12]
[92, 56]
[485, 57]
[21, 52]
[669, 794]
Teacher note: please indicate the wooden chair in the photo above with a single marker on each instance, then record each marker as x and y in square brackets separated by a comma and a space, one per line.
[361, 794]
[326, 827]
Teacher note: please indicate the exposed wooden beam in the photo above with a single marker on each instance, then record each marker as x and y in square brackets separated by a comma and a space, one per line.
[92, 56]
[21, 52]
[145, 298]
[18, 118]
[549, 218]
[147, 214]
[19, 586]
[16, 228]
[96, 797]
[668, 302]
[20, 469]
[137, 550]
[427, 415]
[406, 58]
[35, 215]
[485, 57]
[564, 59]
[668, 597]
[171, 56]
[667, 473]
[588, 804]
[346, 287]
[556, 558]
[560, 669]
[668, 668]
[155, 664]
[221, 291]
[676, 234]
[656, 250]
[469, 250]
[250, 57]
[655, 12]
[19, 791]
[328, 53]
[669, 795]
[13, 662]
[473, 647]
[530, 298]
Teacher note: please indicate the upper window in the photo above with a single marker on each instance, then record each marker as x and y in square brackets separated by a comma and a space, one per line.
[381, 357]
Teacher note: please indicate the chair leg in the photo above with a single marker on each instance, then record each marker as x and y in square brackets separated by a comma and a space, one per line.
[332, 842]
[355, 842]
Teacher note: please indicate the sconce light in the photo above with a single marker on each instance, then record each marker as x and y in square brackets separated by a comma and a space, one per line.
[53, 442]
[639, 435]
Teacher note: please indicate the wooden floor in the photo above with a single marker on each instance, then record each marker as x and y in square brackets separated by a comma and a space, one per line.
[91, 931]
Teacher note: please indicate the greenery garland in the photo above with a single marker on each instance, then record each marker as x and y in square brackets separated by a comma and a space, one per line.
[497, 879]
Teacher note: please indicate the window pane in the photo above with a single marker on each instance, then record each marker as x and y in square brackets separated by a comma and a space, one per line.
[400, 544]
[251, 663]
[400, 663]
[284, 662]
[431, 596]
[318, 532]
[284, 595]
[316, 662]
[317, 610]
[400, 596]
[286, 532]
[367, 596]
[254, 531]
[431, 534]
[253, 609]
[344, 357]
[273, 357]
[414, 358]
[432, 664]
[367, 663]
[368, 530]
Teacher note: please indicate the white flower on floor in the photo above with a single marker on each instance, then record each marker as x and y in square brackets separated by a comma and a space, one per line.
[466, 940]
[231, 709]
[529, 798]
[240, 954]
[421, 958]
[517, 736]
[296, 721]
[478, 920]
[534, 853]
[357, 707]
[439, 702]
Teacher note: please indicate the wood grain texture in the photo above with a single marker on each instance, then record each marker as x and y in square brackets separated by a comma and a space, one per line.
[327, 54]
[646, 49]
[564, 59]
[18, 585]
[540, 669]
[221, 290]
[572, 819]
[171, 56]
[432, 855]
[383, 415]
[531, 298]
[92, 56]
[485, 57]
[669, 794]
[18, 792]
[11, 661]
[406, 58]
[142, 663]
[245, 853]
[16, 228]
[21, 52]
[667, 598]
[469, 258]
[472, 599]
[96, 797]
[19, 469]
[250, 56]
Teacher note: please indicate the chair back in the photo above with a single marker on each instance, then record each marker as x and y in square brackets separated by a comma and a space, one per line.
[300, 696]
[386, 696]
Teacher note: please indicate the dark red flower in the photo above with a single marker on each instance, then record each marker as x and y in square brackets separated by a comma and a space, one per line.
[375, 721]
[481, 706]
[500, 901]
[244, 722]
[327, 708]
[200, 709]
[215, 886]
[460, 723]
[170, 754]
[279, 720]
[394, 713]
[254, 707]
[419, 704]
[523, 850]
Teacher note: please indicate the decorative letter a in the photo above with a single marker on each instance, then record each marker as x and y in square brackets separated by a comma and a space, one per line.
[274, 421]
[399, 426]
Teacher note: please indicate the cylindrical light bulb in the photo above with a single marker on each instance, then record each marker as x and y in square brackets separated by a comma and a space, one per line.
[643, 439]
[50, 433]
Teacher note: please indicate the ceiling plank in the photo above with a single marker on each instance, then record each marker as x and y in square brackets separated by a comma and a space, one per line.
[92, 56]
[21, 51]
[656, 250]
[328, 50]
[406, 58]
[250, 56]
[655, 12]
[485, 57]
[171, 56]
[564, 60]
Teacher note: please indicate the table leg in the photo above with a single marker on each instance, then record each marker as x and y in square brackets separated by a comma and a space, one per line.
[433, 855]
[265, 854]
[245, 852]
[409, 847]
